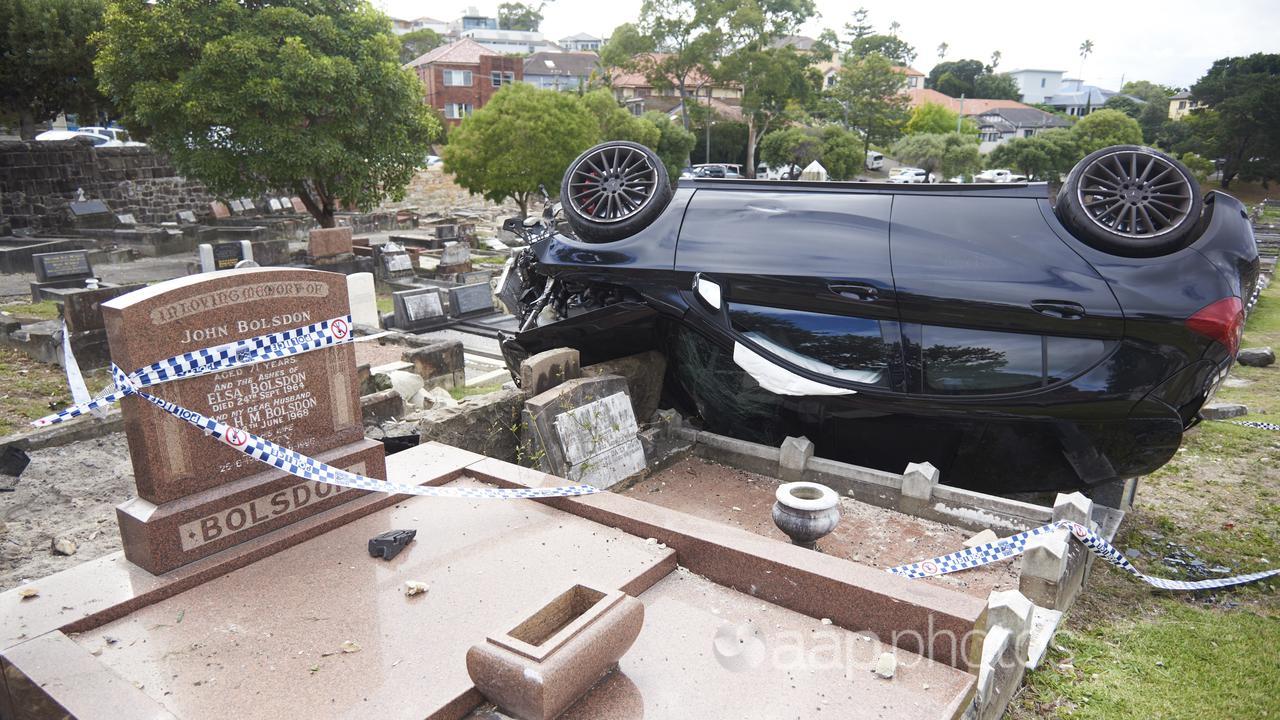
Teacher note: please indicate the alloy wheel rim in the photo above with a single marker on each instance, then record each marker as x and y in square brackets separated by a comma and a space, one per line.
[612, 184]
[1135, 194]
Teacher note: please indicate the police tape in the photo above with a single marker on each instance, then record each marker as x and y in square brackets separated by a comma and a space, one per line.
[1255, 424]
[260, 349]
[1017, 544]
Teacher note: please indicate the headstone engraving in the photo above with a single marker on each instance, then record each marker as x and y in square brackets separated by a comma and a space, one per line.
[62, 265]
[470, 299]
[418, 309]
[308, 403]
[584, 430]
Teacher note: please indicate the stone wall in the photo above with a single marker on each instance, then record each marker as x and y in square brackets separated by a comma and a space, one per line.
[39, 179]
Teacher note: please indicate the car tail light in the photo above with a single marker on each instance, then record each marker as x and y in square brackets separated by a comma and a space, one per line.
[1222, 321]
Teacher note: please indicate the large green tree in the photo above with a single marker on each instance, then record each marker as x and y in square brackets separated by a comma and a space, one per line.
[520, 16]
[1243, 94]
[1106, 127]
[689, 38]
[46, 61]
[869, 91]
[1046, 155]
[299, 95]
[971, 78]
[841, 153]
[897, 50]
[523, 139]
[674, 143]
[940, 154]
[621, 50]
[417, 43]
[615, 122]
[793, 147]
[933, 118]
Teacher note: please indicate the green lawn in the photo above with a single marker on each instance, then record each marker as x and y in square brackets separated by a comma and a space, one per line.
[47, 310]
[30, 390]
[1129, 651]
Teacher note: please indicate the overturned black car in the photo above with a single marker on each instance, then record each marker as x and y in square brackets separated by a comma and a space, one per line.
[1016, 342]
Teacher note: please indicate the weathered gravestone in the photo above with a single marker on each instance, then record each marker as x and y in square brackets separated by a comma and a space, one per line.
[394, 262]
[91, 214]
[67, 269]
[470, 299]
[237, 206]
[186, 217]
[219, 210]
[224, 256]
[364, 299]
[298, 206]
[418, 309]
[584, 430]
[455, 258]
[473, 277]
[329, 245]
[126, 219]
[196, 495]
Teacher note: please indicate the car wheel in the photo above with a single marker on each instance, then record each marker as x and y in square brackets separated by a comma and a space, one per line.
[1131, 200]
[614, 190]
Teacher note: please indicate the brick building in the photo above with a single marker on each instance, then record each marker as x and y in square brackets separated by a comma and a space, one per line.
[461, 77]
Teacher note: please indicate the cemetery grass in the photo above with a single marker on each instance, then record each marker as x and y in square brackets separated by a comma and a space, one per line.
[46, 310]
[29, 390]
[1127, 650]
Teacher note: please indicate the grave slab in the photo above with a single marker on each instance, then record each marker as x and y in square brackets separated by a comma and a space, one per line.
[469, 300]
[418, 309]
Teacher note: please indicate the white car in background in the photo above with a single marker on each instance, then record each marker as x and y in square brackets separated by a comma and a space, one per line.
[98, 140]
[875, 160]
[998, 176]
[904, 175]
[114, 133]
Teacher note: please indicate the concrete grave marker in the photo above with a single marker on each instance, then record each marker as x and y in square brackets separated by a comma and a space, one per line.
[196, 495]
[274, 204]
[126, 219]
[237, 206]
[584, 430]
[470, 299]
[418, 309]
[187, 217]
[364, 299]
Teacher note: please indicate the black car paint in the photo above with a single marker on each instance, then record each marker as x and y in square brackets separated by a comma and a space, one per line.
[990, 257]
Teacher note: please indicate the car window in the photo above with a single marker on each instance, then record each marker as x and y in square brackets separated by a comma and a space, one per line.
[97, 139]
[959, 361]
[846, 348]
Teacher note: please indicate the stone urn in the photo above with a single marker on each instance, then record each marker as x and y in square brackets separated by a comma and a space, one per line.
[806, 512]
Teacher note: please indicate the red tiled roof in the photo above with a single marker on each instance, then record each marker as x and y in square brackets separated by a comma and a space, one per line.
[908, 70]
[972, 106]
[638, 78]
[463, 52]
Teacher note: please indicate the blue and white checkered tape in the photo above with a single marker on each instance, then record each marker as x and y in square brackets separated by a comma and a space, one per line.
[1016, 544]
[271, 347]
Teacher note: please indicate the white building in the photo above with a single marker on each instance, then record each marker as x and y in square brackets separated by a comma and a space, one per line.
[506, 42]
[1037, 86]
[401, 26]
[581, 42]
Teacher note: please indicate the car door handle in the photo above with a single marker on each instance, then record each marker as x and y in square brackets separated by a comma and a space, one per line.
[864, 293]
[1059, 309]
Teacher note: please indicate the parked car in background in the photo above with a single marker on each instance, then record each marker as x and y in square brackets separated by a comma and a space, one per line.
[1016, 342]
[113, 133]
[905, 175]
[784, 172]
[875, 160]
[998, 176]
[98, 140]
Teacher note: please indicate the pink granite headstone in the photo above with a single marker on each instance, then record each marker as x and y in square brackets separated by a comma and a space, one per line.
[196, 495]
[329, 242]
[219, 209]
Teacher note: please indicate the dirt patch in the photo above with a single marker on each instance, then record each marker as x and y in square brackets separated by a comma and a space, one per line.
[69, 492]
[866, 534]
[375, 353]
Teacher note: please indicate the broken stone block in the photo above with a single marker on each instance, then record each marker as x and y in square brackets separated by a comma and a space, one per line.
[539, 373]
[886, 665]
[1256, 357]
[1074, 507]
[1223, 411]
[982, 538]
[1010, 609]
[918, 480]
[383, 405]
[644, 373]
[407, 384]
[793, 458]
[440, 364]
[63, 546]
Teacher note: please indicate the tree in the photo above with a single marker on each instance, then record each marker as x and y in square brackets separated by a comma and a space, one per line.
[960, 154]
[1126, 105]
[1106, 127]
[689, 37]
[869, 90]
[773, 79]
[674, 143]
[922, 151]
[1149, 91]
[728, 141]
[841, 153]
[519, 16]
[996, 87]
[1044, 156]
[859, 28]
[46, 60]
[942, 51]
[995, 60]
[898, 51]
[553, 129]
[615, 123]
[955, 77]
[1086, 49]
[300, 95]
[1244, 95]
[933, 118]
[622, 48]
[1201, 167]
[418, 43]
[794, 147]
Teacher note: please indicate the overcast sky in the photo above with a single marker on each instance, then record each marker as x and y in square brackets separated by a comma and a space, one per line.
[1171, 41]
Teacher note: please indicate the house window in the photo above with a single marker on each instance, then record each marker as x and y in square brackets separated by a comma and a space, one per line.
[457, 78]
[1041, 82]
[498, 78]
[1182, 104]
[457, 111]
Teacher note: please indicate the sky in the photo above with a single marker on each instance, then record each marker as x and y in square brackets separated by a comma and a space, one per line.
[1172, 42]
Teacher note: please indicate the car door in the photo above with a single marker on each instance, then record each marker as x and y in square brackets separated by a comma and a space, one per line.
[991, 301]
[803, 280]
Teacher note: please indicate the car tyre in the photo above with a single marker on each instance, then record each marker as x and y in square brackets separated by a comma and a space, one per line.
[1131, 200]
[614, 190]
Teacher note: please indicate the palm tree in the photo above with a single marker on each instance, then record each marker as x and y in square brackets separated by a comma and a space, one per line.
[1086, 48]
[893, 28]
[942, 50]
[995, 60]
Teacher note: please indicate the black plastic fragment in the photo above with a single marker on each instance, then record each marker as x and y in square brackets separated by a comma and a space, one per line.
[390, 543]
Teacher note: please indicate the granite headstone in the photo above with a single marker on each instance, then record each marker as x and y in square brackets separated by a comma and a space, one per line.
[418, 309]
[196, 495]
[470, 299]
